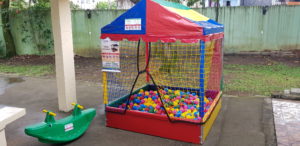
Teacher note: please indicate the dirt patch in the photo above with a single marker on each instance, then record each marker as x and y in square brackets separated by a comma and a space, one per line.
[261, 60]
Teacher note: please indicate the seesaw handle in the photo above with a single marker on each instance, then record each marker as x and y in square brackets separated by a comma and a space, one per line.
[79, 106]
[50, 113]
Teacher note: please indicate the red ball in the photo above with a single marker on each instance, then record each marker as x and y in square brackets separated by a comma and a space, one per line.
[124, 105]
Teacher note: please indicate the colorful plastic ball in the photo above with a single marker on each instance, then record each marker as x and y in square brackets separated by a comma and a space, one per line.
[154, 97]
[123, 104]
[196, 114]
[135, 107]
[151, 110]
[157, 106]
[196, 102]
[143, 106]
[137, 101]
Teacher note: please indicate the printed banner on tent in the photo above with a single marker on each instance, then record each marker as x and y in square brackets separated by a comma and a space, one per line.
[110, 52]
[133, 24]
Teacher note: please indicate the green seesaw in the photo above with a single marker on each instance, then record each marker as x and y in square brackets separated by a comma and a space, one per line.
[63, 130]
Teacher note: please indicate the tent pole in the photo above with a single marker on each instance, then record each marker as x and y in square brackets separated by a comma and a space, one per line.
[147, 61]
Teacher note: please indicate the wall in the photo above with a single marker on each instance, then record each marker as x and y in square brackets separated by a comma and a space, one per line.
[33, 35]
[246, 29]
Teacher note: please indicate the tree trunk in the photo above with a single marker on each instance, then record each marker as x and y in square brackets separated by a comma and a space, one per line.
[9, 41]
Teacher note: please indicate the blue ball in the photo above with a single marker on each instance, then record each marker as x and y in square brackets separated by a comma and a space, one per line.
[196, 114]
[194, 94]
[137, 101]
[135, 108]
[181, 93]
[143, 106]
[166, 89]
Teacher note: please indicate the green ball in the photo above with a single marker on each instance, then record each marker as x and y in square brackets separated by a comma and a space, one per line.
[151, 110]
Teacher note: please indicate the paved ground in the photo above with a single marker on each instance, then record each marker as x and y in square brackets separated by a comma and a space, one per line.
[287, 121]
[243, 121]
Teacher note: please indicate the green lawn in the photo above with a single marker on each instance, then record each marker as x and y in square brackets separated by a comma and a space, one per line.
[27, 70]
[260, 79]
[239, 79]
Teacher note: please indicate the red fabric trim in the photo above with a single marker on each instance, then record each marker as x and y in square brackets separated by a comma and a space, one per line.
[165, 39]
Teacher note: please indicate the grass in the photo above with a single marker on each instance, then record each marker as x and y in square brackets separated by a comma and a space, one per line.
[260, 79]
[27, 70]
[239, 79]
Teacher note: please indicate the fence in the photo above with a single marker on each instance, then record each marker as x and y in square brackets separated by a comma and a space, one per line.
[246, 29]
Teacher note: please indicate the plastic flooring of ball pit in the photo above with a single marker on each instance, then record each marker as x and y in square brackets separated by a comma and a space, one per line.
[159, 125]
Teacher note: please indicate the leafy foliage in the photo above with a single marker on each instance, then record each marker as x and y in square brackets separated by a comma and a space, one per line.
[18, 4]
[106, 5]
[74, 6]
[41, 4]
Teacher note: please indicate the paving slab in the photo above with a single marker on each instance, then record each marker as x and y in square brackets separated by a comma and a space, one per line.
[287, 121]
[241, 121]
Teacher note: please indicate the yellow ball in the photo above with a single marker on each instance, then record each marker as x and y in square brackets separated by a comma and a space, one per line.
[166, 96]
[177, 92]
[147, 93]
[175, 103]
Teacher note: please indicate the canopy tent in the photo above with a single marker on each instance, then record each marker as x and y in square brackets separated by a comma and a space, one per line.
[153, 20]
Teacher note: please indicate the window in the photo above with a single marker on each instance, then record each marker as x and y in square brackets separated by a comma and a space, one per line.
[228, 3]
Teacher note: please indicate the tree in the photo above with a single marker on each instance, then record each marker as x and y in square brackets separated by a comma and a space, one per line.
[8, 38]
[74, 6]
[189, 2]
[106, 5]
[41, 4]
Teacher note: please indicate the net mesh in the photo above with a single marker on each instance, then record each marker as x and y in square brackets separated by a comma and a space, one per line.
[194, 68]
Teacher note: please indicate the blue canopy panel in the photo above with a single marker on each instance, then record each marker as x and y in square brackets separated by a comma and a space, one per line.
[132, 21]
[210, 27]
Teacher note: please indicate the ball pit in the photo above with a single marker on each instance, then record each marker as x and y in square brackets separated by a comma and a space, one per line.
[178, 104]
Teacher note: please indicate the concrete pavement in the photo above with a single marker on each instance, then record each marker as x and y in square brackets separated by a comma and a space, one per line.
[244, 121]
